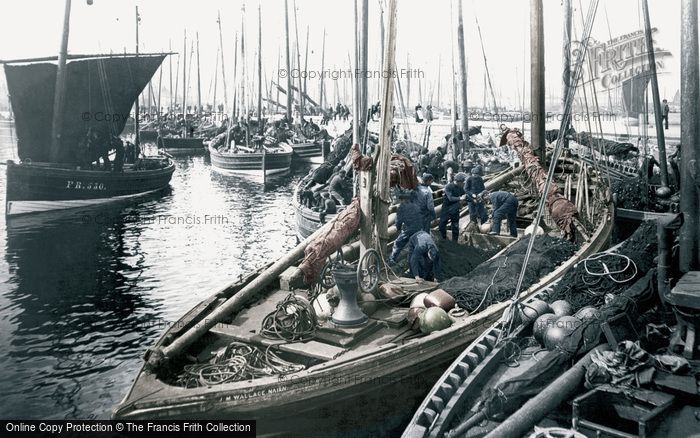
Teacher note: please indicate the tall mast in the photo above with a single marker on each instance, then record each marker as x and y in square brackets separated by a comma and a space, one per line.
[437, 94]
[160, 81]
[306, 60]
[385, 126]
[463, 80]
[57, 119]
[658, 116]
[353, 82]
[260, 118]
[323, 59]
[223, 69]
[690, 137]
[298, 52]
[566, 61]
[216, 78]
[244, 95]
[199, 85]
[408, 82]
[290, 97]
[170, 69]
[278, 70]
[184, 81]
[137, 135]
[364, 40]
[537, 78]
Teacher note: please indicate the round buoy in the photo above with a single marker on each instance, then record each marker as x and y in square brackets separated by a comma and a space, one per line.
[588, 314]
[368, 303]
[485, 227]
[561, 308]
[322, 307]
[542, 323]
[532, 310]
[417, 301]
[434, 319]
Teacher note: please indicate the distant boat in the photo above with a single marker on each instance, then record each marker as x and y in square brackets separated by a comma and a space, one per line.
[310, 151]
[182, 145]
[247, 161]
[99, 93]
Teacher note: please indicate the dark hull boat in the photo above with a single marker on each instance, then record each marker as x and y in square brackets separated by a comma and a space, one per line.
[58, 174]
[182, 146]
[343, 368]
[38, 187]
[275, 160]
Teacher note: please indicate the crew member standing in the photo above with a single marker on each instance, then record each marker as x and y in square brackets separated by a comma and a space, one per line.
[454, 196]
[425, 201]
[664, 112]
[408, 221]
[505, 205]
[474, 187]
[424, 257]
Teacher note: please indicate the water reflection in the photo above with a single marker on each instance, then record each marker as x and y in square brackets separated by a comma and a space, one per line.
[84, 293]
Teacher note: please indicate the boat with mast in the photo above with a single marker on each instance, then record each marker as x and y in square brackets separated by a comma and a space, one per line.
[69, 111]
[233, 152]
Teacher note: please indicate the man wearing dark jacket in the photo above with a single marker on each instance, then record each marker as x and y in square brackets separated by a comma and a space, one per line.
[474, 187]
[424, 257]
[408, 221]
[505, 205]
[454, 196]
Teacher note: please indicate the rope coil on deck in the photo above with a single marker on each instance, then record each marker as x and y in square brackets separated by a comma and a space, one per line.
[293, 320]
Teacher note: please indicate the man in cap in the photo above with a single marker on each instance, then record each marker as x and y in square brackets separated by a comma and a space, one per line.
[454, 196]
[505, 205]
[424, 257]
[337, 187]
[425, 202]
[474, 187]
[408, 221]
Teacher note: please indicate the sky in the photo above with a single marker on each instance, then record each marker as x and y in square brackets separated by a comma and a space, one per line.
[32, 28]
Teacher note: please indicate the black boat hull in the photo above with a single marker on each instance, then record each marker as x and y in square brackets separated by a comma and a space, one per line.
[38, 187]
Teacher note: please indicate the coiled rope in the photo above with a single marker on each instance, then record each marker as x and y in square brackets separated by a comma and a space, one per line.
[293, 320]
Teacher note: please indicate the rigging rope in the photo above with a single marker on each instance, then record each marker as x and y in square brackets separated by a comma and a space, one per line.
[578, 72]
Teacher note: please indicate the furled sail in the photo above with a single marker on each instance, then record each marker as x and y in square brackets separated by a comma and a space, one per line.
[100, 91]
[633, 94]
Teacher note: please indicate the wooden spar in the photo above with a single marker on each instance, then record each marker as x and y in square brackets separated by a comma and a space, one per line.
[537, 78]
[137, 135]
[383, 154]
[381, 44]
[216, 78]
[462, 80]
[408, 82]
[223, 68]
[323, 60]
[364, 43]
[690, 137]
[356, 139]
[487, 75]
[566, 63]
[177, 79]
[170, 70]
[366, 178]
[260, 118]
[199, 85]
[290, 101]
[454, 85]
[306, 60]
[234, 107]
[298, 53]
[278, 73]
[160, 79]
[658, 116]
[244, 95]
[184, 85]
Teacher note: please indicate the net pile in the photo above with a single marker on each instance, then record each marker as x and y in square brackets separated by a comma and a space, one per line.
[586, 284]
[495, 280]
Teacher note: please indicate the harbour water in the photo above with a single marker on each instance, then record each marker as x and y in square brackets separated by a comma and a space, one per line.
[83, 294]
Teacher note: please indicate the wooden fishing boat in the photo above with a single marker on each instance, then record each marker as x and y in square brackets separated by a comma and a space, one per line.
[60, 176]
[182, 145]
[346, 364]
[38, 187]
[309, 151]
[274, 160]
[459, 403]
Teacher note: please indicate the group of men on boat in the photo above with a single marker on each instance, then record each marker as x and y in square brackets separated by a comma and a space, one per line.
[340, 112]
[97, 144]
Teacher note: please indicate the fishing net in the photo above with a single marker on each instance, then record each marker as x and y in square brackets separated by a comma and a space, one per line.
[233, 363]
[495, 280]
[590, 280]
[630, 194]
